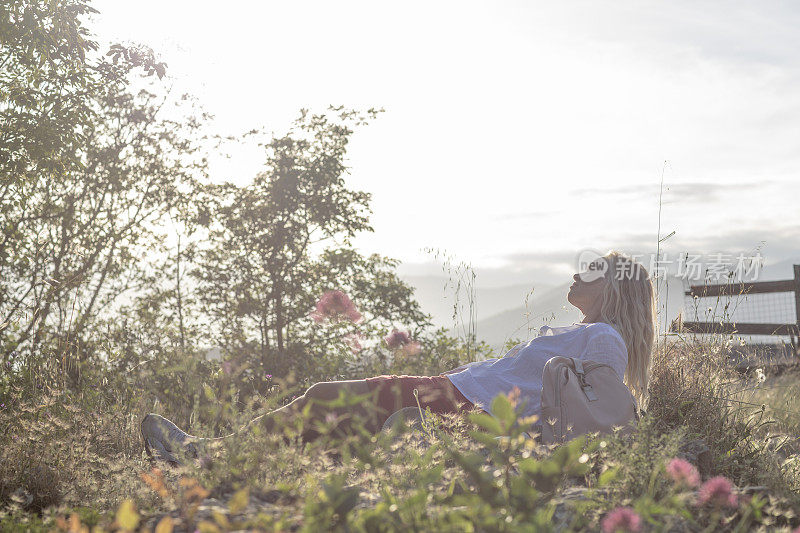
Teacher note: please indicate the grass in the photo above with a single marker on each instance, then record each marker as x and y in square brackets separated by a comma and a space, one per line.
[66, 457]
[780, 394]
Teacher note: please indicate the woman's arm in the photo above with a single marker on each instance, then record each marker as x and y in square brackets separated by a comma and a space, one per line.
[513, 351]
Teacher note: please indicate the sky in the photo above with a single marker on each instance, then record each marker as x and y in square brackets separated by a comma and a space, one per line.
[515, 134]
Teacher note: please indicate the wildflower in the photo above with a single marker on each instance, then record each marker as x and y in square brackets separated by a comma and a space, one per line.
[402, 341]
[268, 376]
[683, 473]
[717, 491]
[335, 306]
[226, 367]
[760, 376]
[330, 418]
[622, 519]
[397, 339]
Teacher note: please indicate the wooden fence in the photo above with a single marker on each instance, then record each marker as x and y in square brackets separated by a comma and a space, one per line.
[746, 328]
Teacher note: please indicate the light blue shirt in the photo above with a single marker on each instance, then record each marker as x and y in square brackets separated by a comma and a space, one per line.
[481, 381]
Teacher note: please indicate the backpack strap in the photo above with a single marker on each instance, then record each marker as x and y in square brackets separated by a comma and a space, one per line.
[587, 389]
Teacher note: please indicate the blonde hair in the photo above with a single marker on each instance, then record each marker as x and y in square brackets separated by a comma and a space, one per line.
[629, 306]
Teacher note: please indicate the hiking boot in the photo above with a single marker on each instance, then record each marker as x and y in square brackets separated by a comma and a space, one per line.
[165, 441]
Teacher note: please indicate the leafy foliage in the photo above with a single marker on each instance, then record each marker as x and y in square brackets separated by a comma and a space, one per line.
[120, 262]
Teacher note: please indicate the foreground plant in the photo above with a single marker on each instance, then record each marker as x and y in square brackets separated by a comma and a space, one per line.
[622, 520]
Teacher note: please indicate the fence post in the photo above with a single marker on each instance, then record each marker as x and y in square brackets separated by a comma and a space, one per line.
[796, 339]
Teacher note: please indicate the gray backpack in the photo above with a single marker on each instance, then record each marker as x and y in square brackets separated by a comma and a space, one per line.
[580, 397]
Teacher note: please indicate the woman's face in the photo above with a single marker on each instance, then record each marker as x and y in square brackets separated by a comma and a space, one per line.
[586, 292]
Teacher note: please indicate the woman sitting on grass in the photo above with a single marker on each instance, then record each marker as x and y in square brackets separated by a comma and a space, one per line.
[615, 295]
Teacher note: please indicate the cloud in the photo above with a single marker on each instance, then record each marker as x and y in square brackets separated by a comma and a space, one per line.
[532, 215]
[698, 191]
[736, 32]
[779, 246]
[776, 245]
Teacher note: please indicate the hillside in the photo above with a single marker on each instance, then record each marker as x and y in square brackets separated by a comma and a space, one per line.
[437, 296]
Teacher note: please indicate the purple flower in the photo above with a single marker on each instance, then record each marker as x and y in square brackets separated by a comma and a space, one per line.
[622, 519]
[683, 473]
[268, 376]
[717, 491]
[397, 338]
[335, 306]
[402, 341]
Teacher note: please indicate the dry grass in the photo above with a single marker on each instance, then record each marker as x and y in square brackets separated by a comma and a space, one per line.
[65, 454]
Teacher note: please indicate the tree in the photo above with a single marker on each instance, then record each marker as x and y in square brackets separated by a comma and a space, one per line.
[259, 277]
[89, 167]
[43, 110]
[44, 80]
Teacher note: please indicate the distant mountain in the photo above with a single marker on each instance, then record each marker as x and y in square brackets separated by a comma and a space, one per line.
[437, 296]
[520, 322]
